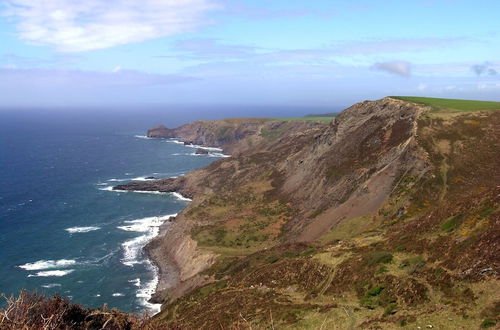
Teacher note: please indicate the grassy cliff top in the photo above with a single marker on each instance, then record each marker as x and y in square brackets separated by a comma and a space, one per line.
[451, 105]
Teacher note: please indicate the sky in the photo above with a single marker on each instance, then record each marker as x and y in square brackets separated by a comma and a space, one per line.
[314, 53]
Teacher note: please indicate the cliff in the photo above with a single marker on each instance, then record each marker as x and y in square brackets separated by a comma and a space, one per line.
[233, 135]
[388, 215]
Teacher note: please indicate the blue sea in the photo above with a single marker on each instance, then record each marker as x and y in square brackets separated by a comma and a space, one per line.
[62, 229]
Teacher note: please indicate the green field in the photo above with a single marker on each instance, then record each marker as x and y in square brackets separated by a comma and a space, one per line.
[451, 105]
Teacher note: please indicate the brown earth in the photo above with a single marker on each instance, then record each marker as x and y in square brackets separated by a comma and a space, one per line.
[387, 216]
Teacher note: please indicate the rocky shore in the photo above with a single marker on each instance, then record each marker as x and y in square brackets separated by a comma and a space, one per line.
[374, 218]
[293, 156]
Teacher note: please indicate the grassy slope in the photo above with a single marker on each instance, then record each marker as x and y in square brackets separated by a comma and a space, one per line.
[451, 105]
[413, 268]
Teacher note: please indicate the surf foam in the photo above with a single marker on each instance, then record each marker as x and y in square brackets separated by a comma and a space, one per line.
[146, 291]
[48, 273]
[132, 248]
[47, 264]
[51, 285]
[73, 230]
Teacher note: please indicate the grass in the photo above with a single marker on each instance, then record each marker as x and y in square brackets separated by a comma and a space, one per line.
[451, 105]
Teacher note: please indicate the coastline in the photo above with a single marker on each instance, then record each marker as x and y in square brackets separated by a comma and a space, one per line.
[173, 255]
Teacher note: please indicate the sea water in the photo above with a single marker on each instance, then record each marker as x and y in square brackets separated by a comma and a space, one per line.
[62, 229]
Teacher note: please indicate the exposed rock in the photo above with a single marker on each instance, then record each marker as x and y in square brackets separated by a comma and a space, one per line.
[161, 132]
[201, 151]
[232, 135]
[379, 163]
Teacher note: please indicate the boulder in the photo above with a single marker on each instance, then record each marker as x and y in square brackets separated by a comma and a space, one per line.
[201, 151]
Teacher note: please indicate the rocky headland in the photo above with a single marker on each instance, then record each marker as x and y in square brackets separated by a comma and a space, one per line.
[384, 216]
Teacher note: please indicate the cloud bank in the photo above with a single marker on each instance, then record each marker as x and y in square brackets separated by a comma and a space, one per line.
[484, 69]
[53, 78]
[400, 68]
[77, 26]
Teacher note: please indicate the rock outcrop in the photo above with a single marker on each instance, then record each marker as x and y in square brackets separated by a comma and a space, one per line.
[385, 180]
[161, 132]
[329, 173]
[232, 135]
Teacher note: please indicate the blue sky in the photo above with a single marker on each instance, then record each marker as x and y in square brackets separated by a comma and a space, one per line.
[263, 52]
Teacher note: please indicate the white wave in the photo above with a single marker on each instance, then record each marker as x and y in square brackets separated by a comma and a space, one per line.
[132, 248]
[48, 273]
[129, 173]
[110, 188]
[175, 141]
[146, 291]
[143, 137]
[47, 264]
[51, 285]
[180, 197]
[117, 294]
[117, 180]
[218, 154]
[136, 282]
[101, 184]
[142, 178]
[97, 295]
[73, 230]
[204, 148]
[210, 154]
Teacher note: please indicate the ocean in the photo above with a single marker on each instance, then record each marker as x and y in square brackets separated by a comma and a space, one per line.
[62, 231]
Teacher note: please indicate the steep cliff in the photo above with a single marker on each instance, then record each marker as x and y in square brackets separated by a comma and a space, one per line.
[233, 135]
[386, 216]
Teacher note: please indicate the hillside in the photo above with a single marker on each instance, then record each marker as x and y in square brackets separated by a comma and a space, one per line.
[386, 217]
[451, 105]
[236, 134]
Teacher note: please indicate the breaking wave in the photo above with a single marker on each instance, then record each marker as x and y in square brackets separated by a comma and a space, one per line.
[48, 273]
[73, 230]
[47, 264]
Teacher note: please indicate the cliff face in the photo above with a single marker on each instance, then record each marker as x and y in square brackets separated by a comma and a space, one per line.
[390, 208]
[233, 135]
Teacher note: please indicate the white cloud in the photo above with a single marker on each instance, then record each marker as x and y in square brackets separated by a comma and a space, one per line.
[422, 86]
[400, 68]
[76, 26]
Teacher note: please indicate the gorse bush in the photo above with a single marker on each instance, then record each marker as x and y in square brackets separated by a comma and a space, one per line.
[33, 311]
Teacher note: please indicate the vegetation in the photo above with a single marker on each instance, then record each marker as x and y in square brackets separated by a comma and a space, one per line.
[428, 258]
[32, 311]
[451, 105]
[322, 119]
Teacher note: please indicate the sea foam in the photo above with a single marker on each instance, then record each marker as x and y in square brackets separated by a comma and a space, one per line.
[175, 194]
[48, 273]
[73, 230]
[142, 178]
[180, 197]
[146, 291]
[51, 285]
[132, 248]
[47, 264]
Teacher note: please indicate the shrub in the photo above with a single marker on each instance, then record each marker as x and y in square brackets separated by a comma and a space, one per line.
[378, 257]
[390, 309]
[451, 224]
[33, 311]
[488, 323]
